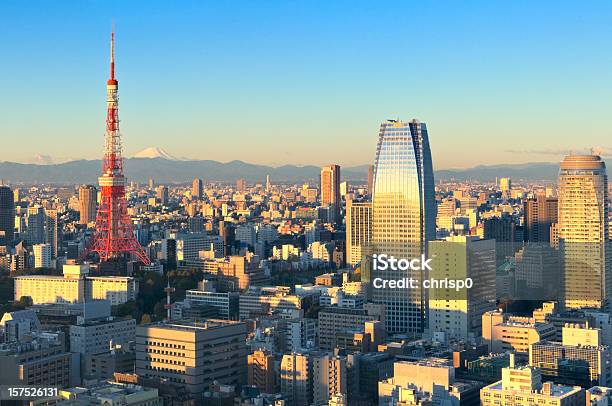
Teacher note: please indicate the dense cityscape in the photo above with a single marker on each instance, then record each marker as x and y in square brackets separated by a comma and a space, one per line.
[275, 292]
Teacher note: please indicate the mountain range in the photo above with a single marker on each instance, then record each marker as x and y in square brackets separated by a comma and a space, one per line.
[172, 170]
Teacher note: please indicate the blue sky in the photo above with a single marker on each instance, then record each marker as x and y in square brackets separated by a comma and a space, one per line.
[308, 82]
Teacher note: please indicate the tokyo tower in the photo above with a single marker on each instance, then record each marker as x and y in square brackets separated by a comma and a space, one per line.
[113, 236]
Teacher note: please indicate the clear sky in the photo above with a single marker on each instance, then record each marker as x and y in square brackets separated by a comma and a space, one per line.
[308, 82]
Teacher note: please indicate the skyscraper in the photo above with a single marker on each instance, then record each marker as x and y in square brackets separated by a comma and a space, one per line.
[330, 188]
[197, 188]
[88, 195]
[403, 217]
[7, 215]
[370, 178]
[583, 231]
[540, 214]
[358, 230]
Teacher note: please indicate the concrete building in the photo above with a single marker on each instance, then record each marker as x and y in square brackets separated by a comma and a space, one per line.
[75, 286]
[262, 371]
[580, 359]
[41, 360]
[225, 302]
[333, 320]
[296, 379]
[111, 394]
[268, 300]
[458, 314]
[42, 255]
[510, 333]
[98, 336]
[358, 230]
[329, 377]
[88, 195]
[330, 189]
[523, 386]
[193, 355]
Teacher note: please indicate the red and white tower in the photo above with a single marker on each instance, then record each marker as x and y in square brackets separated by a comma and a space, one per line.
[114, 237]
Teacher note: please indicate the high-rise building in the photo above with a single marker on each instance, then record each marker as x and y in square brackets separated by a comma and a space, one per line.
[35, 225]
[88, 195]
[197, 188]
[7, 215]
[329, 377]
[241, 185]
[583, 231]
[330, 188]
[505, 185]
[52, 234]
[540, 214]
[358, 230]
[296, 379]
[268, 185]
[193, 355]
[262, 371]
[162, 194]
[370, 178]
[403, 217]
[42, 255]
[458, 314]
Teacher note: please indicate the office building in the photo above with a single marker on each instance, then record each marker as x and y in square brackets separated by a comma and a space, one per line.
[193, 355]
[523, 386]
[579, 359]
[583, 231]
[329, 377]
[358, 230]
[540, 213]
[505, 185]
[241, 185]
[7, 216]
[88, 195]
[403, 217]
[503, 332]
[39, 360]
[75, 286]
[262, 372]
[330, 189]
[334, 320]
[296, 379]
[458, 314]
[42, 255]
[197, 188]
[162, 195]
[35, 225]
[111, 393]
[52, 234]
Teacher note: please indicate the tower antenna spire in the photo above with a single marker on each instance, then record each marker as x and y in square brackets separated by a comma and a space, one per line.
[112, 53]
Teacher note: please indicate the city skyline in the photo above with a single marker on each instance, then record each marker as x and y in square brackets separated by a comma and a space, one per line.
[221, 81]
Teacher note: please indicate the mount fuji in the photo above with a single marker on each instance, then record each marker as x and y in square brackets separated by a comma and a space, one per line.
[155, 152]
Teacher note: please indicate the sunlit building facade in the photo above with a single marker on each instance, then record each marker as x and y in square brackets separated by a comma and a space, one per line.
[583, 231]
[403, 217]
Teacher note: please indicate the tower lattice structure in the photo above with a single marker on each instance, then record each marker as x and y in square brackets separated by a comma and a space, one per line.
[114, 236]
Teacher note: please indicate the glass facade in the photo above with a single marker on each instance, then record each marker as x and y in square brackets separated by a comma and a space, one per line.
[583, 231]
[403, 217]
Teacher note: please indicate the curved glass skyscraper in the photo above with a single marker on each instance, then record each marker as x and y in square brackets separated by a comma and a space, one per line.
[583, 231]
[403, 217]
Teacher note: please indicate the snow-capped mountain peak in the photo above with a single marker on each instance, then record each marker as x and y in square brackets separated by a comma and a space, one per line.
[154, 152]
